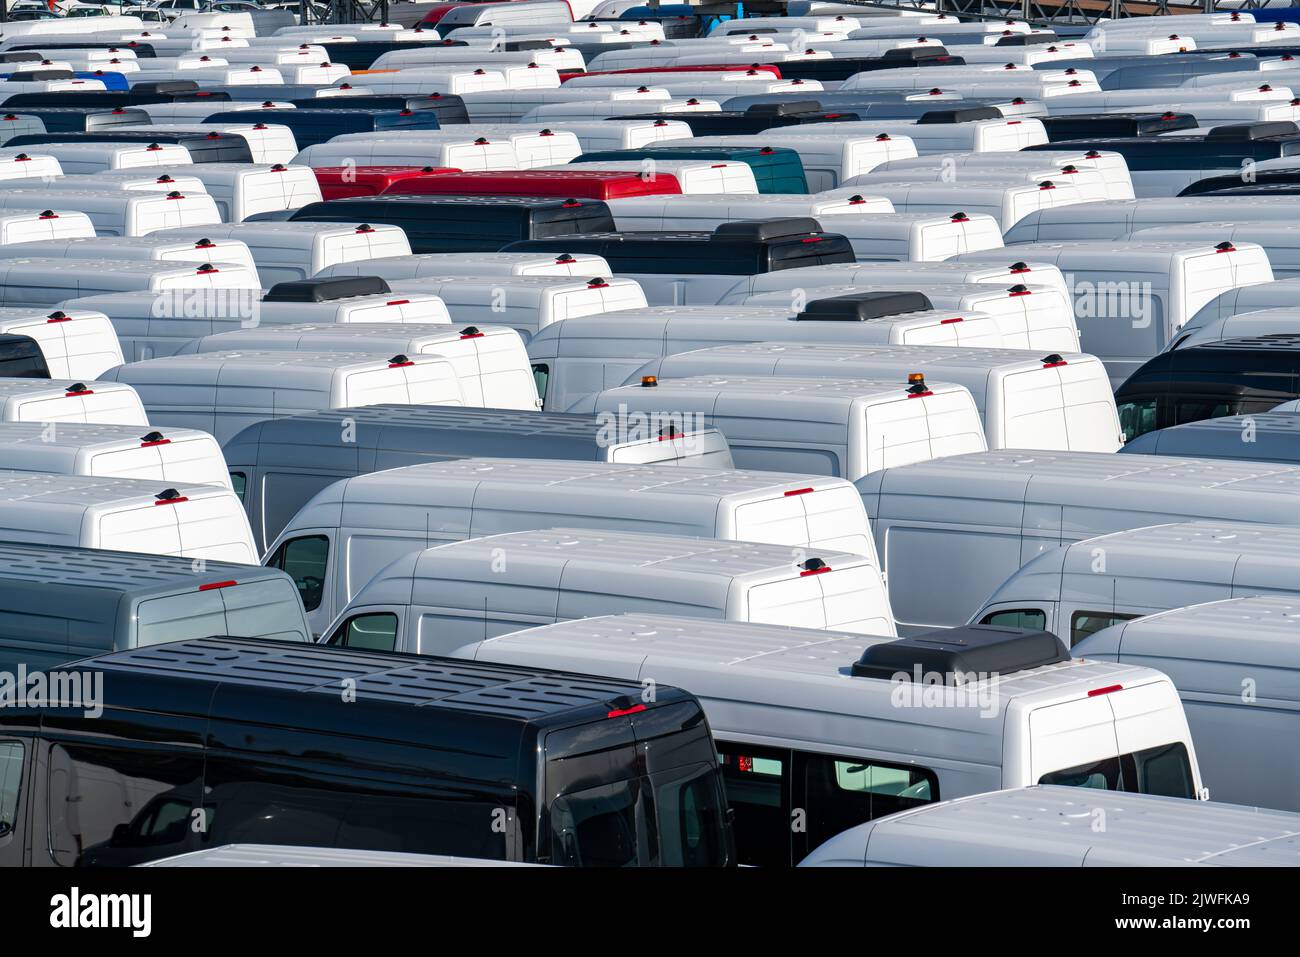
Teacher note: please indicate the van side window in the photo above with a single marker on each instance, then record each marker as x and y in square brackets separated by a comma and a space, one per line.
[1034, 618]
[758, 792]
[542, 377]
[374, 632]
[239, 482]
[843, 792]
[1085, 623]
[11, 779]
[305, 560]
[1138, 417]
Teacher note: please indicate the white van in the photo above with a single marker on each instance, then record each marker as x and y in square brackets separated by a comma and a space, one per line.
[45, 282]
[490, 361]
[1028, 401]
[290, 251]
[349, 531]
[1214, 316]
[434, 601]
[68, 400]
[420, 265]
[37, 226]
[277, 465]
[1047, 827]
[583, 355]
[1236, 664]
[1006, 201]
[120, 212]
[24, 165]
[113, 451]
[627, 134]
[1117, 219]
[1029, 317]
[560, 114]
[1077, 590]
[1279, 240]
[1112, 166]
[464, 152]
[76, 343]
[155, 180]
[222, 392]
[694, 177]
[102, 156]
[156, 247]
[848, 728]
[1010, 271]
[977, 136]
[1090, 185]
[241, 190]
[510, 106]
[267, 142]
[1131, 297]
[535, 146]
[828, 161]
[840, 427]
[526, 303]
[425, 58]
[122, 514]
[971, 521]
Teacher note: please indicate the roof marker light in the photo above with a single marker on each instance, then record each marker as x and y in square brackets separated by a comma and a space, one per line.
[813, 566]
[621, 712]
[798, 491]
[78, 388]
[58, 316]
[399, 361]
[1106, 690]
[471, 332]
[1225, 247]
[1053, 361]
[169, 496]
[649, 382]
[153, 439]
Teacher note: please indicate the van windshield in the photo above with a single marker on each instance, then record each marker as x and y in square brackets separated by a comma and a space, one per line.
[1163, 770]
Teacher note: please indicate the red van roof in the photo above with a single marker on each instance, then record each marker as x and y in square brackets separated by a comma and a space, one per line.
[344, 182]
[579, 184]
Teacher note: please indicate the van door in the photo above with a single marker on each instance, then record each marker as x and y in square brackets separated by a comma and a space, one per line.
[1072, 744]
[831, 518]
[308, 559]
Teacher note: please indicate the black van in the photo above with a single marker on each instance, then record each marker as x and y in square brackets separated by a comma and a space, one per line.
[461, 224]
[448, 107]
[21, 358]
[1210, 380]
[227, 741]
[311, 126]
[214, 147]
[753, 119]
[1074, 126]
[1264, 182]
[136, 96]
[82, 119]
[741, 248]
[1223, 146]
[842, 68]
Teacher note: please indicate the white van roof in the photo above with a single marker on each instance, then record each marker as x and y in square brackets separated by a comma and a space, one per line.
[419, 265]
[150, 248]
[701, 572]
[324, 243]
[243, 189]
[694, 177]
[459, 153]
[22, 227]
[200, 521]
[120, 212]
[32, 281]
[69, 400]
[93, 157]
[625, 134]
[791, 508]
[1255, 632]
[1116, 219]
[1239, 558]
[1047, 826]
[156, 180]
[121, 451]
[731, 666]
[74, 342]
[20, 164]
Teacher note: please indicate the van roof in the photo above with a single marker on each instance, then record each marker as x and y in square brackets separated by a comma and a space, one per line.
[818, 391]
[674, 554]
[79, 435]
[533, 474]
[1039, 472]
[745, 661]
[182, 675]
[1221, 438]
[82, 491]
[844, 356]
[329, 361]
[25, 388]
[1054, 825]
[135, 572]
[1259, 631]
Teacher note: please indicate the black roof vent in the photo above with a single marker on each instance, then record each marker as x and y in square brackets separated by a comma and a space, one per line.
[862, 306]
[758, 230]
[1253, 131]
[326, 290]
[953, 654]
